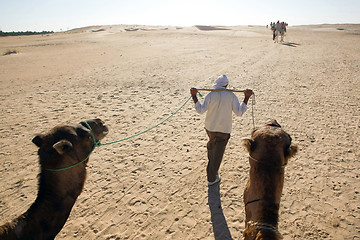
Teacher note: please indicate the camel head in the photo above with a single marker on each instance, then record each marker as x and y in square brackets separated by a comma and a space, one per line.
[67, 144]
[270, 143]
[63, 153]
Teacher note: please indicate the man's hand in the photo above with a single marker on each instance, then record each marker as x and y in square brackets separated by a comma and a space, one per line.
[248, 93]
[193, 91]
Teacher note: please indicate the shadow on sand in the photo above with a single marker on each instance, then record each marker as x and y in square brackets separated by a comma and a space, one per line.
[210, 28]
[290, 44]
[220, 227]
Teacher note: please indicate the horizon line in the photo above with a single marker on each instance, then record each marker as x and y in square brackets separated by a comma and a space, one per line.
[173, 25]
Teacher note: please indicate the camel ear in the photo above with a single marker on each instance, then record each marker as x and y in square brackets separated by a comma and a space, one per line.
[291, 151]
[248, 144]
[38, 140]
[62, 146]
[254, 130]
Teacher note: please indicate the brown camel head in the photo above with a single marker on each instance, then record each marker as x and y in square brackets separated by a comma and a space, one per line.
[271, 144]
[269, 150]
[65, 145]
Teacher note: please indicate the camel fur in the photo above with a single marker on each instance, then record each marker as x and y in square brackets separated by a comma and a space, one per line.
[269, 150]
[62, 146]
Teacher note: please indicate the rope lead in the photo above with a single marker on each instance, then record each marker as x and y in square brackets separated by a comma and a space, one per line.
[137, 134]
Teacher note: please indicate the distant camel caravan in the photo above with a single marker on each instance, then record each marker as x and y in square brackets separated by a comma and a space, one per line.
[279, 29]
[269, 150]
[63, 155]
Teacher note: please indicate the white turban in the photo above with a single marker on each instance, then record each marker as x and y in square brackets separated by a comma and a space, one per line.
[221, 82]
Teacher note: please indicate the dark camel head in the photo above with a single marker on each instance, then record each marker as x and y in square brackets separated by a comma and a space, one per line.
[65, 145]
[61, 147]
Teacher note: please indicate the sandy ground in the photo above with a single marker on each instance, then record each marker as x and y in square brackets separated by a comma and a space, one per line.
[154, 186]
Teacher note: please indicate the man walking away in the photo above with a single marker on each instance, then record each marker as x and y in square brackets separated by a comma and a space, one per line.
[219, 106]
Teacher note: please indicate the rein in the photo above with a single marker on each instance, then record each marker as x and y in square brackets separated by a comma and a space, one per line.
[96, 144]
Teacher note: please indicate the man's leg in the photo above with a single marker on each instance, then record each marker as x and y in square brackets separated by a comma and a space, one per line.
[216, 148]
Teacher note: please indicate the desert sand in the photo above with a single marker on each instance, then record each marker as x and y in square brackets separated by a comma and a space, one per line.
[153, 186]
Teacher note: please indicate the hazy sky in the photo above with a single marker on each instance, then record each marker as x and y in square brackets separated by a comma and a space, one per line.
[56, 15]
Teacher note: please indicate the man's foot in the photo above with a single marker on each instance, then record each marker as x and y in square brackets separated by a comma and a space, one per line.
[217, 180]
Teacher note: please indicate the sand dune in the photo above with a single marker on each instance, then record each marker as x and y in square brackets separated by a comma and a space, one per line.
[154, 186]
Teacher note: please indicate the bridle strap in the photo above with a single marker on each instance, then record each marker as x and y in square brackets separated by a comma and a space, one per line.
[253, 201]
[85, 124]
[263, 162]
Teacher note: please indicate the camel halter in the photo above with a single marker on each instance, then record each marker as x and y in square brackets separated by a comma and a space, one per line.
[96, 144]
[264, 163]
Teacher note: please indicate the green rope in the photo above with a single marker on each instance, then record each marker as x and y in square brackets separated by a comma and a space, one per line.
[98, 144]
[71, 166]
[137, 134]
